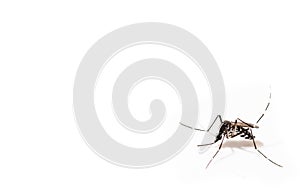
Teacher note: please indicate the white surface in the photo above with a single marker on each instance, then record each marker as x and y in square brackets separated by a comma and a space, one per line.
[255, 44]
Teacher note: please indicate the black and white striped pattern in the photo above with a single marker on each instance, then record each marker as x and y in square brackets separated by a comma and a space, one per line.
[262, 115]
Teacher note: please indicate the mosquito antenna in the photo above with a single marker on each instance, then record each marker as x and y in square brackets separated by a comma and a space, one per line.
[262, 115]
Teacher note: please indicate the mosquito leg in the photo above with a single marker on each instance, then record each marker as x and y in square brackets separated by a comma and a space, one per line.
[216, 152]
[260, 118]
[261, 152]
[206, 144]
[262, 115]
[220, 118]
[191, 127]
[236, 134]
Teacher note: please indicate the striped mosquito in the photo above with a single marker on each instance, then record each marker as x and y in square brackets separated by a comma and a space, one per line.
[231, 129]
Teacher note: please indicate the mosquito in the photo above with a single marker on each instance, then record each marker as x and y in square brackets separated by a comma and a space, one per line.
[231, 129]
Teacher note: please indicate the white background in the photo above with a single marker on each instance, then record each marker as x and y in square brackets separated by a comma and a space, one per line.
[256, 44]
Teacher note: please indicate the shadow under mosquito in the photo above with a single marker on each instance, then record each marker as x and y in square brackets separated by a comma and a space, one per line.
[240, 144]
